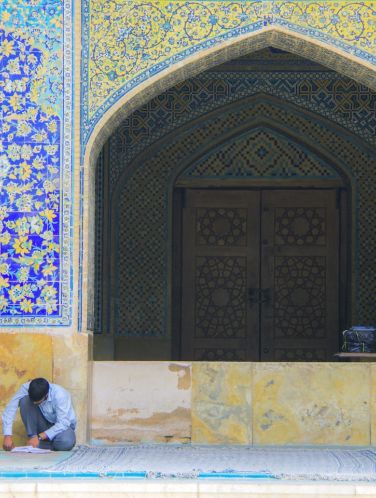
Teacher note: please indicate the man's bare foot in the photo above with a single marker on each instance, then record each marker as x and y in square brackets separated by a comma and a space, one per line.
[33, 441]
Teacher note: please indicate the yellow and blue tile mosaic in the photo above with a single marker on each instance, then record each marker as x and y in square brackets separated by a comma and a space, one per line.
[126, 41]
[34, 157]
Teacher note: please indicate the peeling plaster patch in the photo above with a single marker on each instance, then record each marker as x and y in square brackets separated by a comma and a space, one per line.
[160, 418]
[184, 375]
[149, 401]
[172, 426]
[118, 413]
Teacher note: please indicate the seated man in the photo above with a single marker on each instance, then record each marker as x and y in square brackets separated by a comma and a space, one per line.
[47, 413]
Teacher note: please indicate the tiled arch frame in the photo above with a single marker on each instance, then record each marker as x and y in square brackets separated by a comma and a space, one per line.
[314, 133]
[277, 37]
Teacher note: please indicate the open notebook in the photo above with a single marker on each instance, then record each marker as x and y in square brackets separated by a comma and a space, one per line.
[29, 449]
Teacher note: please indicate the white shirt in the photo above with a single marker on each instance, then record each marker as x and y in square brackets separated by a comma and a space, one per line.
[57, 409]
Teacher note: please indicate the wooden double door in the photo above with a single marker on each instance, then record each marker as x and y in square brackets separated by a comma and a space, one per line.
[260, 275]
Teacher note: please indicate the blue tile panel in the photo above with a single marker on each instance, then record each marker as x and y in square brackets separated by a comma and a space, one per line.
[35, 202]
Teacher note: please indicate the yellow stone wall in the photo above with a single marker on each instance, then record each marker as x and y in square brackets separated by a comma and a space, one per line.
[311, 403]
[207, 403]
[222, 403]
[22, 358]
[61, 359]
[235, 403]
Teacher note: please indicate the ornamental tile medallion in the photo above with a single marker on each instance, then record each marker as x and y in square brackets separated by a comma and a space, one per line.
[35, 162]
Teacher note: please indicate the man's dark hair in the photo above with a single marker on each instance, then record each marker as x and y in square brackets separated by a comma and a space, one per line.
[38, 389]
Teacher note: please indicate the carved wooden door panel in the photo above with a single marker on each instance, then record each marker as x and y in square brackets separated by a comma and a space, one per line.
[260, 275]
[220, 263]
[299, 275]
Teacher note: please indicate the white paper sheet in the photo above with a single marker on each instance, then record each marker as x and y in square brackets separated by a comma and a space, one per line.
[29, 449]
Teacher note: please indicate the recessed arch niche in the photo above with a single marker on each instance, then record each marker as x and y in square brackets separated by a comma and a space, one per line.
[188, 135]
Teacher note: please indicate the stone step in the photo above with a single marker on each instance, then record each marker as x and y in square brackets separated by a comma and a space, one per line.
[104, 488]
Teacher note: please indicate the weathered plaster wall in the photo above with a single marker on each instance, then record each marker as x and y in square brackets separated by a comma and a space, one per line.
[234, 403]
[144, 402]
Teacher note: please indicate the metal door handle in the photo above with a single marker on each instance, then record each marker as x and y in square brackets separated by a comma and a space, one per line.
[265, 295]
[253, 296]
[259, 296]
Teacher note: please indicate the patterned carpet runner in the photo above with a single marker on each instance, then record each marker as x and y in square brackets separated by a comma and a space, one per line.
[190, 461]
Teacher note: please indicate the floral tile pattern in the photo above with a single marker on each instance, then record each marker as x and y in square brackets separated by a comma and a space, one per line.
[33, 200]
[127, 41]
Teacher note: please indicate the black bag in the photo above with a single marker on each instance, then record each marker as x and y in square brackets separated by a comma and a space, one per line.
[359, 339]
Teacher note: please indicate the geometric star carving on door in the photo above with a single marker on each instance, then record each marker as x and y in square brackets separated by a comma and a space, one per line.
[221, 226]
[300, 297]
[220, 294]
[300, 226]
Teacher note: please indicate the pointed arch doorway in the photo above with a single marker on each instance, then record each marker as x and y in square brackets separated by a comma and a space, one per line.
[260, 273]
[266, 144]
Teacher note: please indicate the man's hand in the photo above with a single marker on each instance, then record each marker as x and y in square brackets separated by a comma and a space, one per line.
[33, 441]
[8, 443]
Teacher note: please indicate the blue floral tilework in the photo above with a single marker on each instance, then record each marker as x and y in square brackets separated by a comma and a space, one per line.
[31, 196]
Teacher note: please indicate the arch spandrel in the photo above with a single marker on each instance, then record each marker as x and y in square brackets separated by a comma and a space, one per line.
[131, 53]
